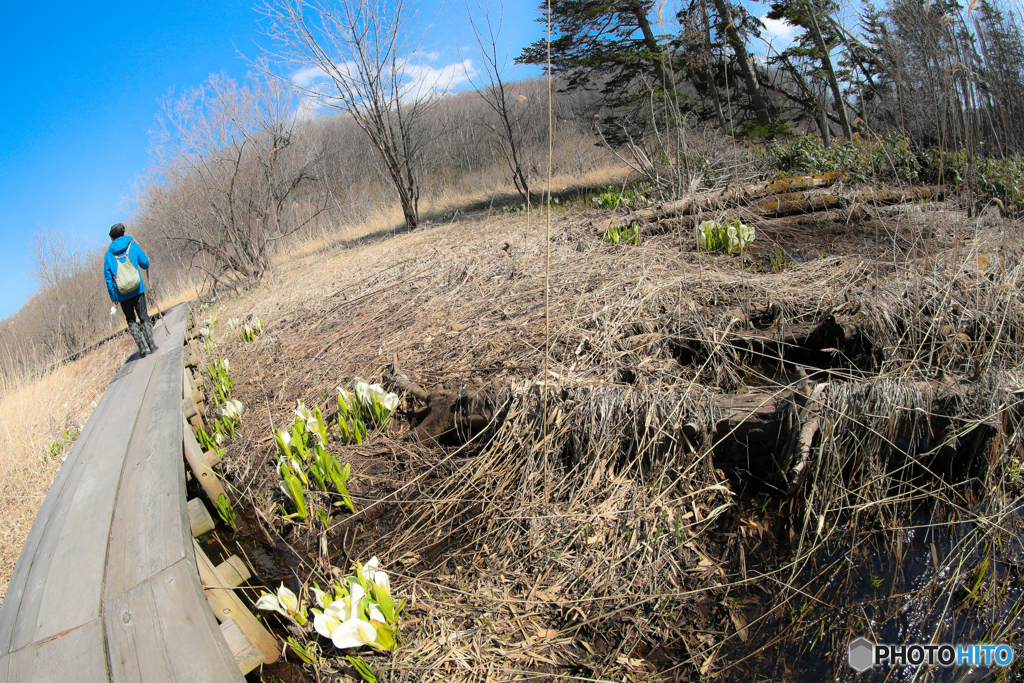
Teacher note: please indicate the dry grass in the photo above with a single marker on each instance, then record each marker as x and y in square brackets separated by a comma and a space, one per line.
[486, 192]
[34, 415]
[596, 529]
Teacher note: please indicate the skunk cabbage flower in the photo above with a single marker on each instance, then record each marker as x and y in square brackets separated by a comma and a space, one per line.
[233, 409]
[329, 620]
[323, 598]
[303, 412]
[389, 401]
[746, 235]
[362, 389]
[284, 602]
[354, 633]
[342, 621]
[370, 568]
[344, 401]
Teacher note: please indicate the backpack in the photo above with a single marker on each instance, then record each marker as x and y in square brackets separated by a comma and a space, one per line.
[127, 275]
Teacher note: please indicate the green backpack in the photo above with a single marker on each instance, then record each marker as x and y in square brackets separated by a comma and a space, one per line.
[127, 276]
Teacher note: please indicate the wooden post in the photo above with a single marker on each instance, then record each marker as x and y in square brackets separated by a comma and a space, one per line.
[199, 518]
[226, 605]
[246, 655]
[193, 416]
[200, 469]
[197, 394]
[234, 571]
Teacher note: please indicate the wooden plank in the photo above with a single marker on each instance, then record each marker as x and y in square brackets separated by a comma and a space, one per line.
[200, 468]
[75, 517]
[124, 370]
[19, 666]
[54, 509]
[76, 655]
[150, 529]
[163, 631]
[171, 330]
[72, 535]
[79, 556]
[226, 605]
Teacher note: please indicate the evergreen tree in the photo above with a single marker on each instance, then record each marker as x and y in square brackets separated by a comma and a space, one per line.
[870, 75]
[815, 45]
[1002, 77]
[605, 44]
[711, 52]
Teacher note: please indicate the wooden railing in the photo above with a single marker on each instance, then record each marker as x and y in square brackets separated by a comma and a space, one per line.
[106, 587]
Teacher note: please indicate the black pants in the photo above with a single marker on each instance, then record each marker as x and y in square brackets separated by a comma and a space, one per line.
[135, 305]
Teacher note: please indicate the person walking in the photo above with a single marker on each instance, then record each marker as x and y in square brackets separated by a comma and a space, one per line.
[121, 266]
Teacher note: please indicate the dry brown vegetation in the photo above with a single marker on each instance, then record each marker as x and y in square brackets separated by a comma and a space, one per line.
[686, 457]
[36, 414]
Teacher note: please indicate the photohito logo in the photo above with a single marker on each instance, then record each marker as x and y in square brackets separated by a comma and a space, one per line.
[863, 654]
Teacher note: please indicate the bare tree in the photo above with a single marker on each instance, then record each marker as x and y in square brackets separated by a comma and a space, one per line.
[363, 49]
[230, 167]
[53, 257]
[68, 309]
[501, 96]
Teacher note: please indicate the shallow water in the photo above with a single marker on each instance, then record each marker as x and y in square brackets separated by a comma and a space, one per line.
[886, 587]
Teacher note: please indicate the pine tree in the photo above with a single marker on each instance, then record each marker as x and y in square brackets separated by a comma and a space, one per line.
[608, 44]
[815, 44]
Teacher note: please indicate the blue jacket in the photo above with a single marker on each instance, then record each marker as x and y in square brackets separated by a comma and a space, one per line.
[135, 255]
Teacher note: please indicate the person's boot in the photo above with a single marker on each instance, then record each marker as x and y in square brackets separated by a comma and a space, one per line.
[133, 329]
[147, 333]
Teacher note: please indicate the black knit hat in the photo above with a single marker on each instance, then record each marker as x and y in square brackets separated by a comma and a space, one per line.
[116, 230]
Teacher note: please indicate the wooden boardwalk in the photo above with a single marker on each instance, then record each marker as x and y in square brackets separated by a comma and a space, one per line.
[106, 587]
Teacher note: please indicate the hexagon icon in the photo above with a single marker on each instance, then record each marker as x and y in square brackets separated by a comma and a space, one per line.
[861, 654]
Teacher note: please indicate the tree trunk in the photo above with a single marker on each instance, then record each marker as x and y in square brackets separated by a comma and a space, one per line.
[826, 134]
[826, 62]
[652, 44]
[710, 74]
[743, 60]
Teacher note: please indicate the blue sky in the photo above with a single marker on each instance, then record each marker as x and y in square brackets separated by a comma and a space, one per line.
[81, 95]
[81, 91]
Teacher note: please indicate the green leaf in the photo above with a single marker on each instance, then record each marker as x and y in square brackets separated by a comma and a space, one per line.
[385, 636]
[304, 653]
[382, 596]
[365, 671]
[296, 494]
[226, 512]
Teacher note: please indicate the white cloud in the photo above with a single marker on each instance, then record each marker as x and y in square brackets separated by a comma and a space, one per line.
[306, 76]
[422, 80]
[419, 79]
[778, 33]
